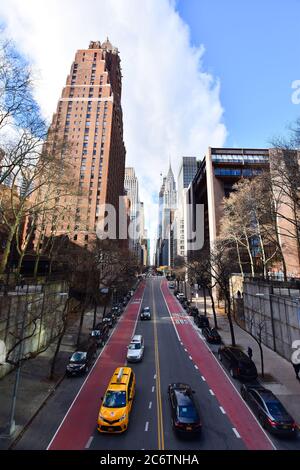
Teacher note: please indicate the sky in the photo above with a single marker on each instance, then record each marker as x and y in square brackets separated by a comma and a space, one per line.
[196, 73]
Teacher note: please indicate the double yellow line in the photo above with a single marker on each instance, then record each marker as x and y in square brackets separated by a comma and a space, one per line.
[160, 424]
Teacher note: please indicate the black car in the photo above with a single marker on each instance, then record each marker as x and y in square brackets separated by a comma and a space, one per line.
[185, 416]
[239, 364]
[193, 311]
[201, 321]
[182, 299]
[211, 335]
[79, 363]
[110, 319]
[117, 310]
[100, 333]
[270, 411]
[145, 314]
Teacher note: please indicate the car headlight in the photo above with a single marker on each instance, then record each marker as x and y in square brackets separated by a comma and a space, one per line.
[123, 417]
[100, 416]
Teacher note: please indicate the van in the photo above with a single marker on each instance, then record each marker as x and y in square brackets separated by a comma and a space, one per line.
[117, 402]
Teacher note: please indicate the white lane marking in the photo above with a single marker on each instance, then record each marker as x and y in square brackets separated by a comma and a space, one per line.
[87, 445]
[196, 367]
[236, 433]
[203, 378]
[222, 409]
[150, 405]
[185, 349]
[190, 357]
[154, 376]
[146, 426]
[220, 366]
[211, 392]
[103, 349]
[153, 389]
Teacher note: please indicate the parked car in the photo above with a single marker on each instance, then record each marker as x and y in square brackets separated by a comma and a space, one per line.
[182, 299]
[185, 415]
[270, 411]
[145, 314]
[110, 318]
[186, 304]
[172, 285]
[211, 335]
[135, 350]
[201, 321]
[238, 363]
[79, 363]
[100, 333]
[179, 295]
[193, 311]
[117, 310]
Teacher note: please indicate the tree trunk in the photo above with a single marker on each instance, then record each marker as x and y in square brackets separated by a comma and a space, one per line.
[80, 325]
[213, 307]
[239, 258]
[7, 249]
[95, 315]
[233, 343]
[261, 359]
[250, 255]
[53, 362]
[204, 298]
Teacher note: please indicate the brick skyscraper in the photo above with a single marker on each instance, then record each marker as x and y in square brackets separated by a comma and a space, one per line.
[89, 119]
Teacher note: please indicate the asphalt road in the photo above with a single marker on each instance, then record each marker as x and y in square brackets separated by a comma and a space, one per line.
[168, 358]
[165, 361]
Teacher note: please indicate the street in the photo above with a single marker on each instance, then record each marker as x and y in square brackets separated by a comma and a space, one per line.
[174, 352]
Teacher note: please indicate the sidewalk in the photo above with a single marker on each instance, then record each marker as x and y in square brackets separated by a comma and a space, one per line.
[35, 387]
[279, 373]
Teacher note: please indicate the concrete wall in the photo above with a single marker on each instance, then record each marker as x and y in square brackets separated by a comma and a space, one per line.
[273, 310]
[43, 318]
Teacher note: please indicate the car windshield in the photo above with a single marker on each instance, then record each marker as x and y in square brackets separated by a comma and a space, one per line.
[78, 357]
[187, 412]
[114, 399]
[276, 409]
[146, 309]
[134, 346]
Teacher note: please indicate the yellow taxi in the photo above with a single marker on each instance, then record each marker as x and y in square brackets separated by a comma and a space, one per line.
[117, 402]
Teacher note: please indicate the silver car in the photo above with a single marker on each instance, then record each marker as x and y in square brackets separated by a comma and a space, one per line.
[135, 350]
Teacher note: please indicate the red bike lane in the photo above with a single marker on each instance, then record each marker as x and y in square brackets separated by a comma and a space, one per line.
[81, 419]
[228, 397]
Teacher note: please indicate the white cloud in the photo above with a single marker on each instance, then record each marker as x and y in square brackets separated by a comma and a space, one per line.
[171, 106]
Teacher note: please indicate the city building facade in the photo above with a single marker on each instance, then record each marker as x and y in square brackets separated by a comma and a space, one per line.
[165, 244]
[89, 124]
[187, 171]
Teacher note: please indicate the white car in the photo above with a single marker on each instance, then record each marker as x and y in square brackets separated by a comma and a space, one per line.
[135, 350]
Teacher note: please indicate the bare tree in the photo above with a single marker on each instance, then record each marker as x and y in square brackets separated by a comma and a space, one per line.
[21, 125]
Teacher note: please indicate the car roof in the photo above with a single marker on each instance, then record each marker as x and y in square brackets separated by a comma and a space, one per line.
[121, 382]
[237, 353]
[265, 393]
[136, 339]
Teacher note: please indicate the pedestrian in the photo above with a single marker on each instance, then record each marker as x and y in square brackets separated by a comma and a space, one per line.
[297, 370]
[250, 353]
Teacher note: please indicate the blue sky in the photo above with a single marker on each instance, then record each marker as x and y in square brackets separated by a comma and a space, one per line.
[253, 48]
